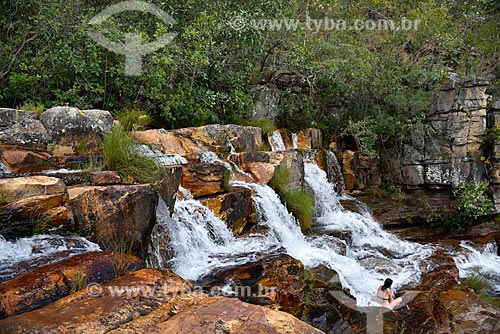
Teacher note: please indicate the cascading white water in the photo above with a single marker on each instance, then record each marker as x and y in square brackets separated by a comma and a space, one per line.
[377, 253]
[334, 172]
[487, 263]
[163, 159]
[295, 141]
[201, 242]
[49, 247]
[276, 141]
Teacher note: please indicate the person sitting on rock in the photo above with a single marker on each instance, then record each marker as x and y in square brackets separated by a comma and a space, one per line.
[384, 295]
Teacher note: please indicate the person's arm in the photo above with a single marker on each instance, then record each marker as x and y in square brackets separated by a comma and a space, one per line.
[389, 292]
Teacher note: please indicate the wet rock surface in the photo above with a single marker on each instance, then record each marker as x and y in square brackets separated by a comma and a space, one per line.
[235, 208]
[47, 284]
[204, 179]
[272, 280]
[119, 217]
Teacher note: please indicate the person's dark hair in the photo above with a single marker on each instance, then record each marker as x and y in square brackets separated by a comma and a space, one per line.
[387, 284]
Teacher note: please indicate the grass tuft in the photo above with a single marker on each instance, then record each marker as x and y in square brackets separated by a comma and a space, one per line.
[78, 282]
[36, 108]
[478, 283]
[122, 155]
[299, 202]
[134, 119]
[266, 125]
[280, 179]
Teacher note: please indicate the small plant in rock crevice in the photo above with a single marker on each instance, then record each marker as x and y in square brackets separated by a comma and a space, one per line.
[473, 200]
[299, 202]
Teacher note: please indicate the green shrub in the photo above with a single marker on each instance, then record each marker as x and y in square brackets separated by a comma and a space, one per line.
[36, 108]
[134, 119]
[280, 179]
[266, 125]
[122, 155]
[301, 204]
[472, 199]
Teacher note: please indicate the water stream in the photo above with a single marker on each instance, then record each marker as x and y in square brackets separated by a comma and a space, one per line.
[471, 261]
[24, 254]
[200, 241]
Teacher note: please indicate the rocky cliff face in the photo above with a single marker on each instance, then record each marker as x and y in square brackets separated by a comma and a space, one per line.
[446, 149]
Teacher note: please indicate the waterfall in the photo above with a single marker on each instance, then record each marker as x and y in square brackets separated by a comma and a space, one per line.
[376, 252]
[20, 255]
[487, 263]
[276, 141]
[334, 172]
[163, 159]
[199, 242]
[295, 141]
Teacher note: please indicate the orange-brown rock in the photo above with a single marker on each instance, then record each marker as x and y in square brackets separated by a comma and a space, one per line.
[102, 310]
[169, 186]
[22, 161]
[97, 178]
[220, 315]
[291, 160]
[309, 138]
[47, 284]
[204, 179]
[170, 143]
[236, 209]
[220, 137]
[273, 279]
[118, 217]
[25, 216]
[13, 189]
[262, 172]
[349, 178]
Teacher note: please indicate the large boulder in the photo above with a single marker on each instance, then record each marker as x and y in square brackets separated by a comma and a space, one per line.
[36, 214]
[21, 128]
[309, 139]
[235, 208]
[47, 284]
[119, 217]
[275, 279]
[205, 179]
[169, 186]
[260, 163]
[222, 137]
[222, 315]
[173, 143]
[103, 308]
[82, 129]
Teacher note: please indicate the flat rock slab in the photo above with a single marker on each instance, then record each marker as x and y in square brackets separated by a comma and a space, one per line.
[21, 187]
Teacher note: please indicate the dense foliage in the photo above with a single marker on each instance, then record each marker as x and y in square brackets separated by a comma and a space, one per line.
[365, 82]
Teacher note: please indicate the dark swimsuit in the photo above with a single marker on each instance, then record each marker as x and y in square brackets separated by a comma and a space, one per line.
[381, 297]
